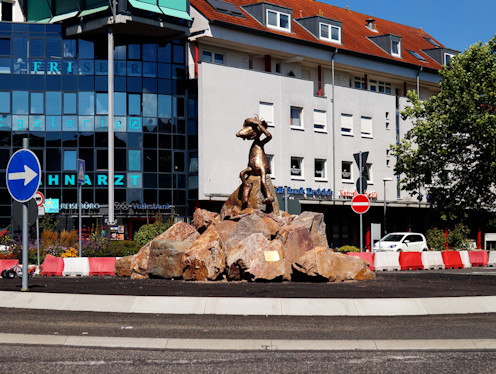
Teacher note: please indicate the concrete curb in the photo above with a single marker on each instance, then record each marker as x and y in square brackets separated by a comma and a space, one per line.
[249, 344]
[248, 306]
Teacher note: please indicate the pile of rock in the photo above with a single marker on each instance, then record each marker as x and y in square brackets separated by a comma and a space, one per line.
[249, 245]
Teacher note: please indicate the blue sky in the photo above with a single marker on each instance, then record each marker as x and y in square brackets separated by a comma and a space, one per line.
[456, 23]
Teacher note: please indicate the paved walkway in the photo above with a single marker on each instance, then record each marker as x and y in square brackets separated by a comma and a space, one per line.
[250, 344]
[248, 306]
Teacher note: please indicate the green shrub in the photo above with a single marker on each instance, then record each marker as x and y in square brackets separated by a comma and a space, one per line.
[457, 238]
[150, 231]
[435, 239]
[348, 248]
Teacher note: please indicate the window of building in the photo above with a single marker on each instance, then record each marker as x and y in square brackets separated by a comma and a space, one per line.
[297, 168]
[395, 48]
[4, 102]
[296, 117]
[4, 47]
[37, 103]
[346, 171]
[278, 20]
[360, 83]
[270, 159]
[366, 126]
[319, 120]
[379, 86]
[320, 169]
[346, 124]
[7, 11]
[447, 58]
[367, 173]
[69, 160]
[217, 58]
[266, 112]
[417, 55]
[330, 32]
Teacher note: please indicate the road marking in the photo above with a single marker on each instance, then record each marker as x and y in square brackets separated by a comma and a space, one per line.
[250, 344]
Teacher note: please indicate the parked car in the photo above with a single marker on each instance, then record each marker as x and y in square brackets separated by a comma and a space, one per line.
[402, 242]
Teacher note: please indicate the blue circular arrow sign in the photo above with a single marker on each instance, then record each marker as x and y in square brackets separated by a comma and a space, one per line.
[23, 175]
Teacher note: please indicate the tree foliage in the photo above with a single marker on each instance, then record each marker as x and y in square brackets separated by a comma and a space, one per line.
[450, 153]
[150, 231]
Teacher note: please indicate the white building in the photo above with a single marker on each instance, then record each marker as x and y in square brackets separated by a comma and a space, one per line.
[330, 82]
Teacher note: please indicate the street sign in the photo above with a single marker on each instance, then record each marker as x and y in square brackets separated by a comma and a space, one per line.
[23, 175]
[365, 155]
[17, 213]
[364, 185]
[360, 204]
[39, 198]
[80, 170]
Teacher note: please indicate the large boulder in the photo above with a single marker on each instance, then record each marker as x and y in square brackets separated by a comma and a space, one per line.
[247, 226]
[224, 229]
[322, 263]
[180, 231]
[297, 241]
[234, 205]
[165, 258]
[314, 222]
[206, 258]
[256, 257]
[202, 219]
[139, 264]
[122, 267]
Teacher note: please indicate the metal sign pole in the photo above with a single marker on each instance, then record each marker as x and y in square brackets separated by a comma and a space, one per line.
[25, 260]
[38, 241]
[80, 220]
[361, 215]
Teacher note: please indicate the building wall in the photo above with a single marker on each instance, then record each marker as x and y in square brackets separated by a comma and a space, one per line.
[228, 95]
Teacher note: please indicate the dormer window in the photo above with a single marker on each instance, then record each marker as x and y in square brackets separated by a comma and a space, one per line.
[278, 20]
[330, 33]
[395, 48]
[447, 58]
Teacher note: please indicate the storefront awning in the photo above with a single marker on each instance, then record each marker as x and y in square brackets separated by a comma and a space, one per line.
[64, 16]
[160, 9]
[145, 6]
[87, 12]
[175, 13]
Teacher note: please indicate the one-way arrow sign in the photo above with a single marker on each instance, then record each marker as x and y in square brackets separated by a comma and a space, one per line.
[23, 175]
[28, 175]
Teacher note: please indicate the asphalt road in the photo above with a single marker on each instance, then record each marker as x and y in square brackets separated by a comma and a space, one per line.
[42, 359]
[404, 284]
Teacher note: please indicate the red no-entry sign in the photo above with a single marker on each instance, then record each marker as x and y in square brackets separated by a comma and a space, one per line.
[360, 204]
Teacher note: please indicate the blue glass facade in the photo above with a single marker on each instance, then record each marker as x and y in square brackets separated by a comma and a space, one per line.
[53, 90]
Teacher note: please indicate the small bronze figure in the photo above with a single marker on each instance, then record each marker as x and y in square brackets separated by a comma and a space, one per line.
[258, 164]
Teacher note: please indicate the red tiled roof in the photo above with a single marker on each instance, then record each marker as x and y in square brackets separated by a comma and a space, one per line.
[354, 32]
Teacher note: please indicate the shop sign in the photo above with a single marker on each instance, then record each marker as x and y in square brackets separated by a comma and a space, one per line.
[348, 195]
[69, 180]
[307, 192]
[138, 206]
[85, 205]
[52, 205]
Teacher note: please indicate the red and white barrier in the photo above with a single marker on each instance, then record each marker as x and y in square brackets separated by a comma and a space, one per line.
[411, 261]
[102, 265]
[478, 258]
[452, 260]
[491, 261]
[52, 266]
[432, 260]
[387, 261]
[76, 266]
[465, 259]
[7, 264]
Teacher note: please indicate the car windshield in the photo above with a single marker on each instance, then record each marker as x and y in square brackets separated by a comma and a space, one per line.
[392, 238]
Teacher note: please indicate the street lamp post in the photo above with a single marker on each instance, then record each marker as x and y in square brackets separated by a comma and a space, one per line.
[388, 179]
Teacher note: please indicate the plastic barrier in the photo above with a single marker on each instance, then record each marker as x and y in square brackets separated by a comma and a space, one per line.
[411, 260]
[465, 259]
[76, 266]
[7, 264]
[478, 258]
[102, 265]
[432, 260]
[387, 261]
[367, 256]
[491, 261]
[452, 260]
[52, 266]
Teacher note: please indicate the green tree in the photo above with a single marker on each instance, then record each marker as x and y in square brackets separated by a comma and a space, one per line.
[450, 153]
[150, 231]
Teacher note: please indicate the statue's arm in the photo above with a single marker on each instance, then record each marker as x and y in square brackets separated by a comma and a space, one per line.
[268, 135]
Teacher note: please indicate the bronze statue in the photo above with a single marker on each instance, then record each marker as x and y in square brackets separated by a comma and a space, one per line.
[258, 165]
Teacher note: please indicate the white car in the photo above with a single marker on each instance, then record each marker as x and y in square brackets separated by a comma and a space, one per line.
[402, 242]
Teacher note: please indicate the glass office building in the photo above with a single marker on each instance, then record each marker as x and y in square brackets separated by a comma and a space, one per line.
[53, 90]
